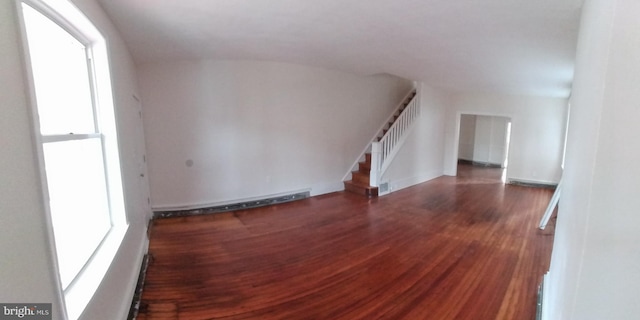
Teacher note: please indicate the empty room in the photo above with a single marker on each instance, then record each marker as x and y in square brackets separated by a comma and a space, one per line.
[319, 159]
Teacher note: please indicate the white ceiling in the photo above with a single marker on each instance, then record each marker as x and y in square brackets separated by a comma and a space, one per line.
[500, 46]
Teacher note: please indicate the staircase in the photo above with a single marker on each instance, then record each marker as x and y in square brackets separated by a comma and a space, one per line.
[361, 182]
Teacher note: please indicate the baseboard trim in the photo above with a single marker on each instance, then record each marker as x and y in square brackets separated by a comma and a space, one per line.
[137, 295]
[480, 163]
[524, 183]
[232, 206]
[539, 305]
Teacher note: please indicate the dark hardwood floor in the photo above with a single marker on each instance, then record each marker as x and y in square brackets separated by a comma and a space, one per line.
[463, 247]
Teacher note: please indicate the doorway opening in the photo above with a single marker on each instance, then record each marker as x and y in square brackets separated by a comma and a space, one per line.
[484, 142]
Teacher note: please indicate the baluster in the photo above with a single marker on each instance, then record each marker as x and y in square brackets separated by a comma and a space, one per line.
[390, 141]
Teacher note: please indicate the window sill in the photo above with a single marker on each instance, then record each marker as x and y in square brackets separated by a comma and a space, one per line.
[80, 292]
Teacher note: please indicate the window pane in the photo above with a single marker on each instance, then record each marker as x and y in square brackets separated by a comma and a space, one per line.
[78, 200]
[61, 77]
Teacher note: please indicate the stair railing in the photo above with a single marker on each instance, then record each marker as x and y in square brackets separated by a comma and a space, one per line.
[385, 149]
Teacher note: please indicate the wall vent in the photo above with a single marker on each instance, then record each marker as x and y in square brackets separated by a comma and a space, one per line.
[383, 187]
[232, 207]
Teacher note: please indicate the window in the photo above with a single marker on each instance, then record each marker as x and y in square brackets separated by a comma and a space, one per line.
[77, 144]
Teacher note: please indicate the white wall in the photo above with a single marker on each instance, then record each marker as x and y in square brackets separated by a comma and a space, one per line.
[537, 133]
[467, 137]
[490, 144]
[595, 264]
[254, 129]
[420, 157]
[27, 272]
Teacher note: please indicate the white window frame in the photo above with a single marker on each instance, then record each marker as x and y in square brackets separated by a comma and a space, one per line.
[78, 294]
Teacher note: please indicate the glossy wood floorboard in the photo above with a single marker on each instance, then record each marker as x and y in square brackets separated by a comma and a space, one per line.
[463, 247]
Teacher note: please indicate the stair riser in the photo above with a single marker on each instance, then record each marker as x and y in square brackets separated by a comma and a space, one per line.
[371, 192]
[360, 177]
[364, 167]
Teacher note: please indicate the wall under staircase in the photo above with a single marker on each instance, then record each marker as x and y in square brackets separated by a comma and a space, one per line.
[384, 147]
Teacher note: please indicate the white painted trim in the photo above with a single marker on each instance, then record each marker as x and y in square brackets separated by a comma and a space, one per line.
[545, 298]
[69, 137]
[39, 152]
[132, 281]
[398, 145]
[69, 17]
[74, 300]
[456, 143]
[99, 264]
[551, 207]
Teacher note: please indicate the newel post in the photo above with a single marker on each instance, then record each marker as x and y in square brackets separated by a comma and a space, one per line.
[375, 164]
